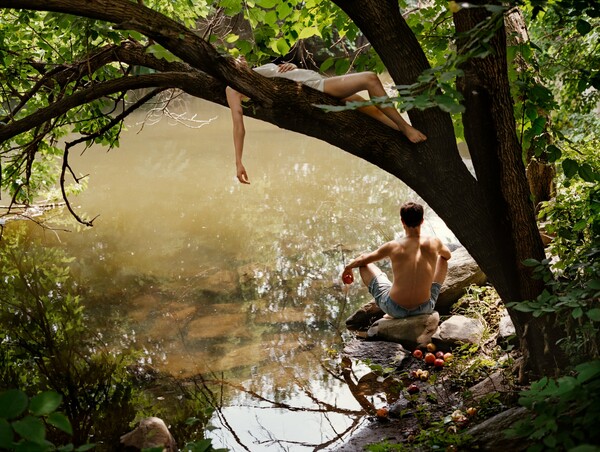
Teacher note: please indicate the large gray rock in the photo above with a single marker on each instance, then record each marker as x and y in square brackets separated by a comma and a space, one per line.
[151, 432]
[411, 332]
[463, 272]
[459, 329]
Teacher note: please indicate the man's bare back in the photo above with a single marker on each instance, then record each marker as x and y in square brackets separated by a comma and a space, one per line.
[417, 262]
[413, 264]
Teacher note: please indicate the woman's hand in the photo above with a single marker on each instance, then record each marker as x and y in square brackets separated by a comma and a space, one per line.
[241, 174]
[286, 67]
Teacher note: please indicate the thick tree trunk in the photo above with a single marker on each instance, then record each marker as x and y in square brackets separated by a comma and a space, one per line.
[497, 154]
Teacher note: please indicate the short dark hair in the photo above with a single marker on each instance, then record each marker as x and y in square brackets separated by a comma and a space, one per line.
[412, 214]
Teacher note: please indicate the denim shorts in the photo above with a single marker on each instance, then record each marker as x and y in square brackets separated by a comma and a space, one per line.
[380, 288]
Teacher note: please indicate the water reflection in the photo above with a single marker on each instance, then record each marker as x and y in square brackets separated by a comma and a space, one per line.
[207, 275]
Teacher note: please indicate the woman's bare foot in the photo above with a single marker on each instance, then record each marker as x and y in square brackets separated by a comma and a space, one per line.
[414, 135]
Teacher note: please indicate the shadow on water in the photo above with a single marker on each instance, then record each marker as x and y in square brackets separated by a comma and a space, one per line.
[209, 277]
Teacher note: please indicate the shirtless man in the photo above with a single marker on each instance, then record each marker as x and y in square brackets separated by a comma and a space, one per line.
[419, 265]
[344, 87]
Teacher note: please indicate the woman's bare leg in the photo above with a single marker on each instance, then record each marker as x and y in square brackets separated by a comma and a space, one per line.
[344, 86]
[372, 111]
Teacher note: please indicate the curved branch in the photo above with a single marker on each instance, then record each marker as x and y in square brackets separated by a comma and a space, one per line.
[97, 91]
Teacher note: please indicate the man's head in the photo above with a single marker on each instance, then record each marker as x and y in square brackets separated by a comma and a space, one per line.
[411, 214]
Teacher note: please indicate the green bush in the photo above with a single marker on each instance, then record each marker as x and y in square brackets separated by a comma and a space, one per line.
[24, 422]
[565, 411]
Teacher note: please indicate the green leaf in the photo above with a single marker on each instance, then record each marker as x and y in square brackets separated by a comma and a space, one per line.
[6, 434]
[61, 422]
[66, 448]
[594, 284]
[587, 371]
[267, 3]
[570, 167]
[30, 428]
[583, 27]
[85, 447]
[531, 263]
[326, 64]
[553, 152]
[231, 38]
[587, 173]
[308, 32]
[12, 403]
[280, 46]
[594, 314]
[45, 403]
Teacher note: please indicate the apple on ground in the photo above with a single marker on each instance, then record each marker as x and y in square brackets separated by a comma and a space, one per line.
[429, 358]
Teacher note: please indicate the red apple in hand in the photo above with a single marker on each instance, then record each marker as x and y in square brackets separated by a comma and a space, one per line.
[348, 278]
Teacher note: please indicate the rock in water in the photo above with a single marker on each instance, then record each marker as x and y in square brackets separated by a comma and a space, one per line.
[151, 432]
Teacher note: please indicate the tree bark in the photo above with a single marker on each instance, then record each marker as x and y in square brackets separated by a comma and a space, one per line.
[540, 173]
[490, 132]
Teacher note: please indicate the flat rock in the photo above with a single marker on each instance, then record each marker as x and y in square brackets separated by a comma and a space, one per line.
[459, 329]
[411, 332]
[377, 352]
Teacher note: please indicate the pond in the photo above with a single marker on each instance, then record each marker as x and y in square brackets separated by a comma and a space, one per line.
[209, 276]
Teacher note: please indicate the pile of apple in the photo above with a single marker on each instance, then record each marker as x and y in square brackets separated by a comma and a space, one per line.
[431, 357]
[438, 360]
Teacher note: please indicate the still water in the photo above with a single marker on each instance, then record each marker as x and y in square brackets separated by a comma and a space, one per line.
[206, 275]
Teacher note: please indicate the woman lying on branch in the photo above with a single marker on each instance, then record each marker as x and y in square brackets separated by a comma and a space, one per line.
[344, 87]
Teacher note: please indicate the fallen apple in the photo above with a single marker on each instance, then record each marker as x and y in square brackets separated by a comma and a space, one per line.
[382, 413]
[448, 357]
[424, 375]
[413, 389]
[418, 354]
[438, 362]
[471, 411]
[348, 278]
[429, 358]
[431, 347]
[439, 355]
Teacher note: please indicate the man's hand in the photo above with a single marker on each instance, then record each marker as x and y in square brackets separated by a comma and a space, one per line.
[348, 276]
[242, 175]
[286, 67]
